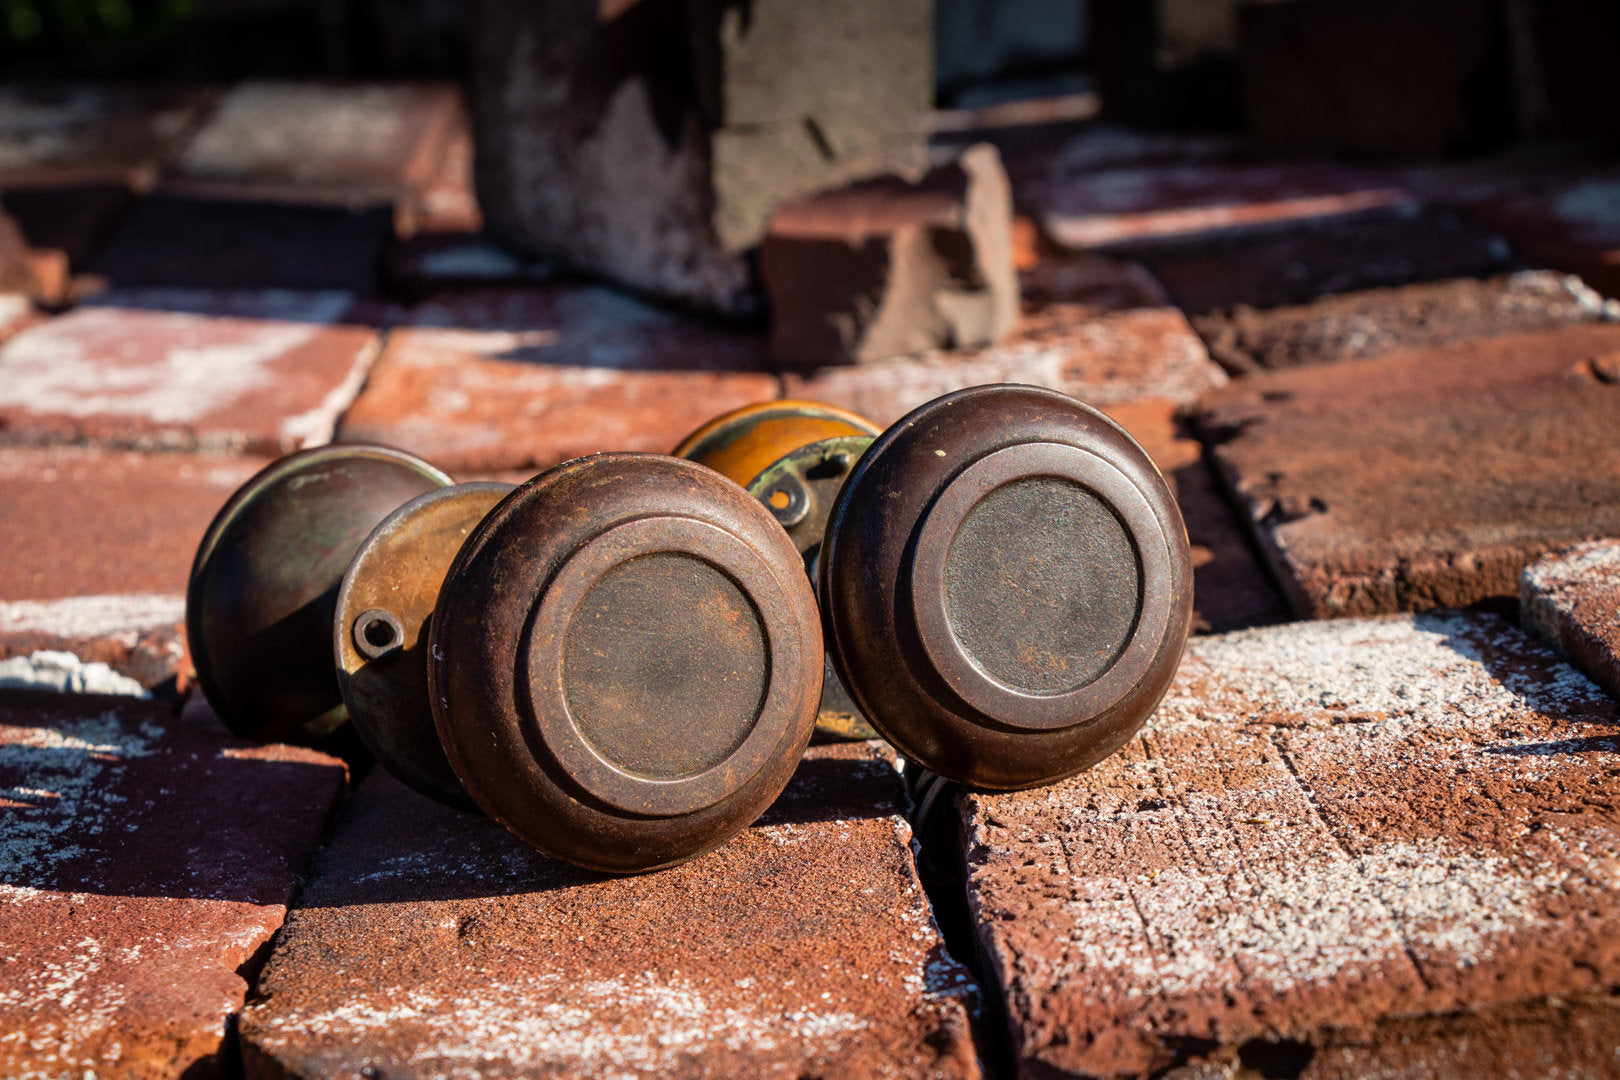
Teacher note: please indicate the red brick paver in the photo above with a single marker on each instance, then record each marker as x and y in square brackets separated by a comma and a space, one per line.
[1563, 215]
[1092, 208]
[138, 635]
[430, 943]
[144, 862]
[1425, 478]
[1573, 224]
[1356, 848]
[16, 313]
[80, 522]
[1373, 322]
[265, 372]
[1102, 360]
[312, 142]
[445, 201]
[1572, 601]
[1323, 257]
[520, 379]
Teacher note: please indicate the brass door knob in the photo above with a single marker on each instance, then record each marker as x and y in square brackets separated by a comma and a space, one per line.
[379, 633]
[264, 584]
[791, 455]
[1007, 586]
[624, 661]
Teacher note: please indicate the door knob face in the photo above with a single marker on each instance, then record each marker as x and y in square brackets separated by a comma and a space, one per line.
[379, 635]
[264, 583]
[1007, 586]
[625, 661]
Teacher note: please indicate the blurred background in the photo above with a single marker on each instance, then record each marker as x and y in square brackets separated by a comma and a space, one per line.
[1464, 74]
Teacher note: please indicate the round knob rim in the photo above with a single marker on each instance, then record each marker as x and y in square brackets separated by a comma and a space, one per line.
[1004, 707]
[593, 613]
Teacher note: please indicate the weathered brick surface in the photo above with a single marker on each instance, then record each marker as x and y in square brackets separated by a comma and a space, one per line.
[431, 263]
[180, 241]
[263, 372]
[1093, 208]
[315, 142]
[429, 943]
[446, 201]
[885, 268]
[1370, 323]
[1321, 257]
[113, 525]
[1049, 275]
[1425, 478]
[138, 635]
[1560, 214]
[1572, 601]
[1100, 359]
[1042, 159]
[1231, 589]
[144, 862]
[511, 379]
[1377, 847]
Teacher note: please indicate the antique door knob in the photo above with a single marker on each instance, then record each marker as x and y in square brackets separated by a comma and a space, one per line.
[624, 661]
[379, 634]
[264, 584]
[791, 455]
[1006, 585]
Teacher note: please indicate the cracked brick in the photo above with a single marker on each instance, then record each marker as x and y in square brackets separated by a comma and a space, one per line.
[428, 941]
[1571, 600]
[1425, 478]
[1362, 847]
[145, 861]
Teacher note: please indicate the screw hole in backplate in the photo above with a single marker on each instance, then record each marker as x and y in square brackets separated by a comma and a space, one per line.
[377, 633]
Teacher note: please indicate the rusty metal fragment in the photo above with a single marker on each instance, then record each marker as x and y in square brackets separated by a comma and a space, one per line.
[1007, 586]
[264, 584]
[625, 660]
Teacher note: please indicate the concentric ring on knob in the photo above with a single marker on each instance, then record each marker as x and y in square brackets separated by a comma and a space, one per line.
[1007, 586]
[625, 661]
[1061, 668]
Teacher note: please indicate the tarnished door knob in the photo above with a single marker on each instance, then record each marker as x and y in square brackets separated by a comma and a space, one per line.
[264, 583]
[379, 634]
[624, 661]
[1007, 586]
